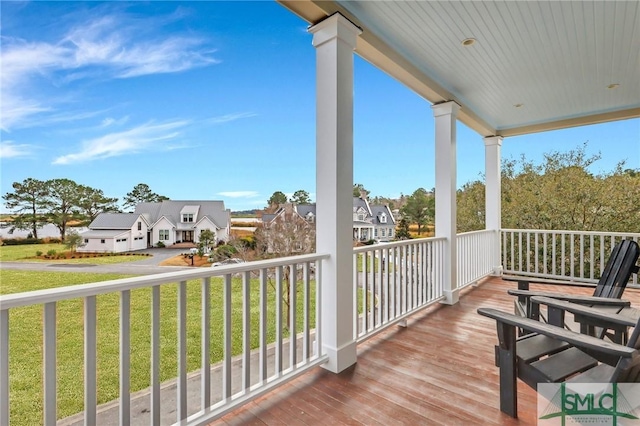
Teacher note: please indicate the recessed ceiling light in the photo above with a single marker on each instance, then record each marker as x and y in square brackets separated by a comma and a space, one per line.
[468, 41]
[518, 105]
[613, 86]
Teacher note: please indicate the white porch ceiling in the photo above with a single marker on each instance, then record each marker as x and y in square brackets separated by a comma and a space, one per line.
[554, 58]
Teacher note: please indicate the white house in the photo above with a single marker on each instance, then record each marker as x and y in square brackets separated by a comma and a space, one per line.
[168, 222]
[116, 233]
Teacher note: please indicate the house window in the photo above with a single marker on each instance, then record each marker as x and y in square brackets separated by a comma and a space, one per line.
[383, 218]
[297, 246]
[361, 217]
[382, 232]
[375, 232]
[86, 240]
[139, 226]
[163, 234]
[101, 241]
[391, 232]
[187, 217]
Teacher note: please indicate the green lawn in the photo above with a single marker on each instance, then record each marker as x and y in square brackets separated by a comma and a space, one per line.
[26, 338]
[26, 251]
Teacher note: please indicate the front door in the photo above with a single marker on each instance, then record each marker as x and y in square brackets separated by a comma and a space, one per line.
[187, 236]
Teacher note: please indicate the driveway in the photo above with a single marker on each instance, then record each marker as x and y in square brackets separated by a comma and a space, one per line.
[146, 266]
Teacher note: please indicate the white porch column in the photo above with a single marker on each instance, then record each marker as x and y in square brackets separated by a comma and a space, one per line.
[493, 194]
[334, 40]
[445, 129]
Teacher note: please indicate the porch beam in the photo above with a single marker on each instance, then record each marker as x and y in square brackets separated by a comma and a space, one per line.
[493, 194]
[445, 142]
[334, 40]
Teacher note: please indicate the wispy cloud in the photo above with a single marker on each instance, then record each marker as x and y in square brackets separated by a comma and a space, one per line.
[231, 117]
[110, 121]
[9, 149]
[239, 194]
[110, 44]
[142, 138]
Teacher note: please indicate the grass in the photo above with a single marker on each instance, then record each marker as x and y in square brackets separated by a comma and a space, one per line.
[26, 339]
[27, 252]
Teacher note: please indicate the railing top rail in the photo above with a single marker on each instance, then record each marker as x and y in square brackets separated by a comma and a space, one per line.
[481, 231]
[93, 289]
[396, 244]
[557, 231]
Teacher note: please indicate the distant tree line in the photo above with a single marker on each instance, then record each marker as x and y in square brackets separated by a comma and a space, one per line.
[60, 202]
[559, 194]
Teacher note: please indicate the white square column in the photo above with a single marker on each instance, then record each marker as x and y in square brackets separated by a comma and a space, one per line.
[445, 133]
[493, 194]
[334, 40]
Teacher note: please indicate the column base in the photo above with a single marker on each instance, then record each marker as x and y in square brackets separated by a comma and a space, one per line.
[451, 297]
[341, 358]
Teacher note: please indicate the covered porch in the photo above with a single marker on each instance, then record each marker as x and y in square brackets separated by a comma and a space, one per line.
[350, 362]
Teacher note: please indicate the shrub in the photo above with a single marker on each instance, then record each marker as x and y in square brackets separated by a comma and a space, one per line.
[160, 244]
[52, 253]
[225, 251]
[38, 253]
[21, 241]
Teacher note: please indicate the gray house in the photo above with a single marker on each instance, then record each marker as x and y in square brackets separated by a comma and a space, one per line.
[372, 221]
[168, 222]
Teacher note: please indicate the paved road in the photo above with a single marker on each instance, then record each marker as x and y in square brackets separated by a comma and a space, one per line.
[146, 266]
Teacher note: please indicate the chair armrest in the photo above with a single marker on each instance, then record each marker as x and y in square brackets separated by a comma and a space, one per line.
[574, 298]
[574, 308]
[576, 339]
[534, 280]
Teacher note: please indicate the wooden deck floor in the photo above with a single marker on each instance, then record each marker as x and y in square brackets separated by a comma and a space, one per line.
[437, 371]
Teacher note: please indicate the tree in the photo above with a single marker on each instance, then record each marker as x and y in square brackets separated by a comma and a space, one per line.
[141, 193]
[288, 234]
[73, 241]
[359, 190]
[205, 241]
[470, 207]
[92, 202]
[300, 197]
[62, 203]
[419, 208]
[27, 201]
[558, 194]
[277, 199]
[403, 230]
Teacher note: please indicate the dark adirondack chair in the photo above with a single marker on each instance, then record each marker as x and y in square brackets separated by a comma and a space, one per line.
[611, 285]
[589, 359]
[615, 276]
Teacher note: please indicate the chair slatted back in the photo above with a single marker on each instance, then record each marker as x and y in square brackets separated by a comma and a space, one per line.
[618, 270]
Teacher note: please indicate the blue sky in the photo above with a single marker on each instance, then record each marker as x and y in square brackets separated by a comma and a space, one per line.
[215, 100]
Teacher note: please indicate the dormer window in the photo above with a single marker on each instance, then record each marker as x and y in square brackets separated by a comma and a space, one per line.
[189, 213]
[383, 218]
[361, 217]
[311, 217]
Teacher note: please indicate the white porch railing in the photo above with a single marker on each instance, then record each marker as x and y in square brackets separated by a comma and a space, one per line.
[393, 281]
[476, 256]
[560, 254]
[254, 370]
